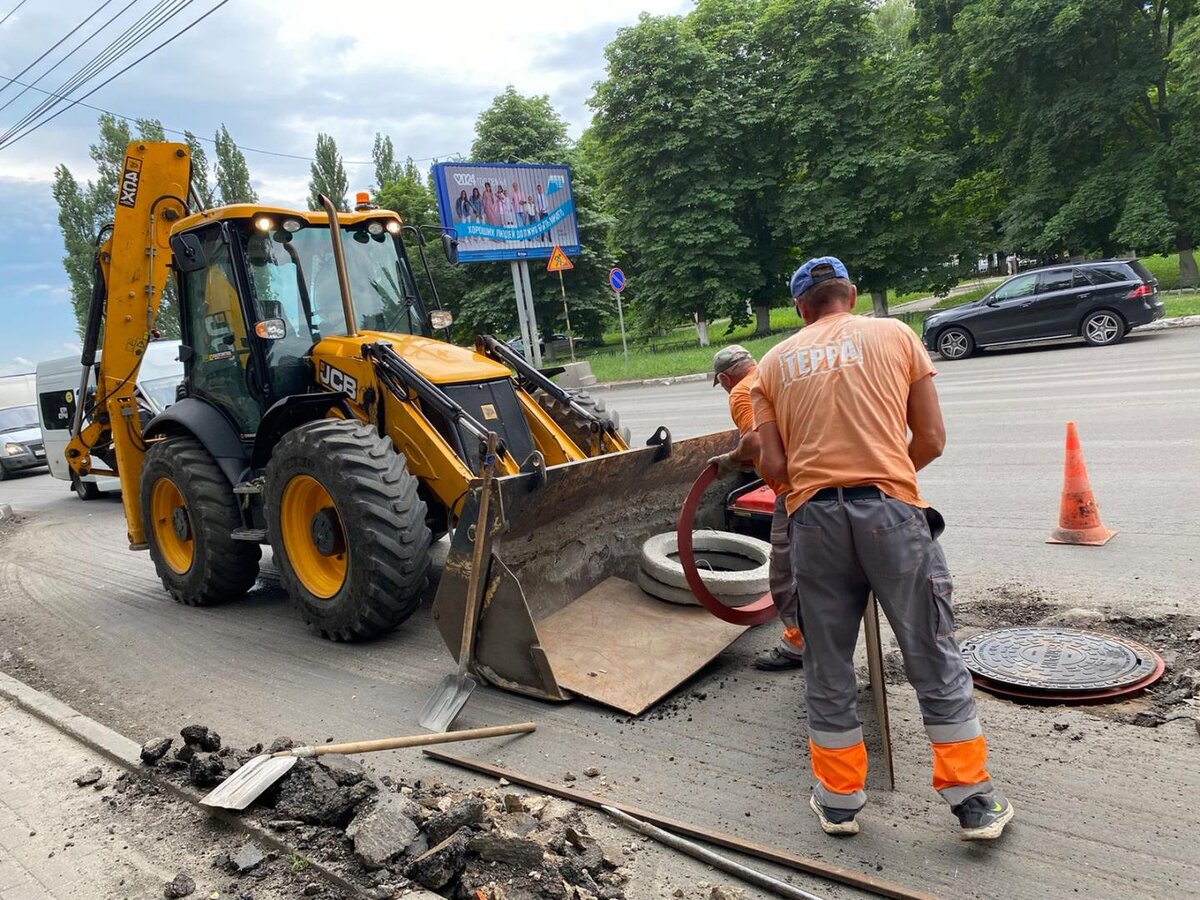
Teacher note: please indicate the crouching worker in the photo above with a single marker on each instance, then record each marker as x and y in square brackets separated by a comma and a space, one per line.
[734, 369]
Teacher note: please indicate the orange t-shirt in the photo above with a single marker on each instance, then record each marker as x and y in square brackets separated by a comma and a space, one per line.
[742, 411]
[838, 392]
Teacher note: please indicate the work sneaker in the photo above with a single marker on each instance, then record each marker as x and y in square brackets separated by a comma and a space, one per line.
[834, 821]
[983, 816]
[775, 660]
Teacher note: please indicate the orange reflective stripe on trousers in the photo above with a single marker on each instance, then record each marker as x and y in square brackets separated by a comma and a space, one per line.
[960, 763]
[840, 771]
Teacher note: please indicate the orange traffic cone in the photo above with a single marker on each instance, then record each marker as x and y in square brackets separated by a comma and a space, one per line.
[1078, 514]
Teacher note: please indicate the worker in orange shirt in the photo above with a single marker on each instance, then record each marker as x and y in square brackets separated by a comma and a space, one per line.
[834, 405]
[734, 369]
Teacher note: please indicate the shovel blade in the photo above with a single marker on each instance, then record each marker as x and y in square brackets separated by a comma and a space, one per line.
[446, 702]
[245, 785]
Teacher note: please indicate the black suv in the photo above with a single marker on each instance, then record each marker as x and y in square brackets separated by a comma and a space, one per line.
[1098, 301]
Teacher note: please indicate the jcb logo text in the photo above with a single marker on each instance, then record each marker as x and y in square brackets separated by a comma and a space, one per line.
[129, 182]
[337, 380]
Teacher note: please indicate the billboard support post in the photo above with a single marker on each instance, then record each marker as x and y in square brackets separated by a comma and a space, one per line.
[531, 315]
[521, 319]
[567, 315]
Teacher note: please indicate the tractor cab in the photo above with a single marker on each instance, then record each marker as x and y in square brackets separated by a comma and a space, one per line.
[258, 289]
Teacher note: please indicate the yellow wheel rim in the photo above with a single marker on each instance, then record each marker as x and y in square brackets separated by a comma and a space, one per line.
[321, 569]
[172, 525]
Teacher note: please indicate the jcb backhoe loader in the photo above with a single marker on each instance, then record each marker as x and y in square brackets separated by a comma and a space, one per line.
[319, 415]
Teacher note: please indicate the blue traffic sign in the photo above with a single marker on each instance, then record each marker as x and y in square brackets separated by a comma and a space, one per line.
[616, 280]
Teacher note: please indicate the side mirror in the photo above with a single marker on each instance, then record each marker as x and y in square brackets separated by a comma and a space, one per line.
[440, 318]
[270, 329]
[188, 252]
[450, 248]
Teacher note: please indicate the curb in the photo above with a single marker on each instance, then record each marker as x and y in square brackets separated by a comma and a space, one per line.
[127, 754]
[668, 380]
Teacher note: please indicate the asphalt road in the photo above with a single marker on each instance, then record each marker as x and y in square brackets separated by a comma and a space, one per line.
[1104, 808]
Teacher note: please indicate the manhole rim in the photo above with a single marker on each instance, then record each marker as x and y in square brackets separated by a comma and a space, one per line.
[1145, 665]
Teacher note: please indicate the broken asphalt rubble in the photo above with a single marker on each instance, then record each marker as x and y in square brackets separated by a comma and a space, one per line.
[398, 839]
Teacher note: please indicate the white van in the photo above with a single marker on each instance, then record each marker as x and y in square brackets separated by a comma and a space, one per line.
[57, 385]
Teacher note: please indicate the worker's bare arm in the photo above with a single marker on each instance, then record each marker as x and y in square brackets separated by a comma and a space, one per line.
[747, 448]
[772, 461]
[925, 422]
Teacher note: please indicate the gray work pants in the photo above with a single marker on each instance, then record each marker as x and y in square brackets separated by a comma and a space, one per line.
[781, 577]
[841, 551]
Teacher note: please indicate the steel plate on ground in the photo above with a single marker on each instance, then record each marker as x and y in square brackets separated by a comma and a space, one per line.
[1062, 662]
[625, 649]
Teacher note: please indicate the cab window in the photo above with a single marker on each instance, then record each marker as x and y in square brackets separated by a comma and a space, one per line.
[216, 332]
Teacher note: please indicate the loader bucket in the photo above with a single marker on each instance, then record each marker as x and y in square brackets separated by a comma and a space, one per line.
[561, 613]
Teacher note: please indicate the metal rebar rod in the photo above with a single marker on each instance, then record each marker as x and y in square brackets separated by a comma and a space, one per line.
[716, 860]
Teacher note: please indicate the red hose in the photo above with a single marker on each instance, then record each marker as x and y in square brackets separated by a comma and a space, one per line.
[760, 611]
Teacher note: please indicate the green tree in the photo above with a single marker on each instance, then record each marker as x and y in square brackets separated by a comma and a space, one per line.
[869, 165]
[200, 178]
[408, 193]
[1084, 109]
[233, 175]
[387, 169]
[328, 175]
[83, 209]
[756, 151]
[516, 128]
[661, 119]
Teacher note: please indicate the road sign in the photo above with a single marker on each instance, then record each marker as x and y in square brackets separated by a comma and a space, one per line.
[558, 261]
[616, 280]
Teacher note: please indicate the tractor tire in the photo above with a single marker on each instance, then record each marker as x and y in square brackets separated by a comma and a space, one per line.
[576, 426]
[347, 528]
[190, 513]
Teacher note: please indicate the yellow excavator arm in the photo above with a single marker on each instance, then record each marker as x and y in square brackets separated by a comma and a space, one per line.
[132, 266]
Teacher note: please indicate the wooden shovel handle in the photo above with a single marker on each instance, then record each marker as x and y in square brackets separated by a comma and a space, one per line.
[420, 740]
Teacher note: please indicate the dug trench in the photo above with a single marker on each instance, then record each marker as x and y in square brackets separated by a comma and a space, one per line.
[1174, 637]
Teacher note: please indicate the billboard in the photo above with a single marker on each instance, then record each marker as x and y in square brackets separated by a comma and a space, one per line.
[502, 211]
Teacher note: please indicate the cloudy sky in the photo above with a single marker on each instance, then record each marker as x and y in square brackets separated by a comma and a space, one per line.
[275, 74]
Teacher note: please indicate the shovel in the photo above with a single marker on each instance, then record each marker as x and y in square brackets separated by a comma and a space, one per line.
[243, 787]
[449, 697]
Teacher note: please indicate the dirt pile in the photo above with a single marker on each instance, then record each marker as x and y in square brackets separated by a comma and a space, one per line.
[393, 838]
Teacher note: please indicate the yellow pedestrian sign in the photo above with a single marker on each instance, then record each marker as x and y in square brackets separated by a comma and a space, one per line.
[558, 261]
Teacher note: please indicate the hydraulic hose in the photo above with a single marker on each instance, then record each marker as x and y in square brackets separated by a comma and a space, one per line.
[760, 611]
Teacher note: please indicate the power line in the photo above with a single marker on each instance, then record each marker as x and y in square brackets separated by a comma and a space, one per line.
[28, 131]
[13, 10]
[142, 27]
[244, 149]
[77, 48]
[59, 41]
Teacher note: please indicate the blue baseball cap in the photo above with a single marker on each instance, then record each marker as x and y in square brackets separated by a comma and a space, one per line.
[815, 271]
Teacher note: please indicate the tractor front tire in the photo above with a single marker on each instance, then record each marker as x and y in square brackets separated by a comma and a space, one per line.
[347, 528]
[189, 513]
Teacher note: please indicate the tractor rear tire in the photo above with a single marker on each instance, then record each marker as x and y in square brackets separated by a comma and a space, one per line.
[189, 513]
[577, 427]
[347, 528]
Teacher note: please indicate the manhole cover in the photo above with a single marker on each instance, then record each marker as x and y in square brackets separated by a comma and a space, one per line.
[1059, 663]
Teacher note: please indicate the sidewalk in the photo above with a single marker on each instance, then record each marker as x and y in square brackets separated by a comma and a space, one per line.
[55, 838]
[111, 839]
